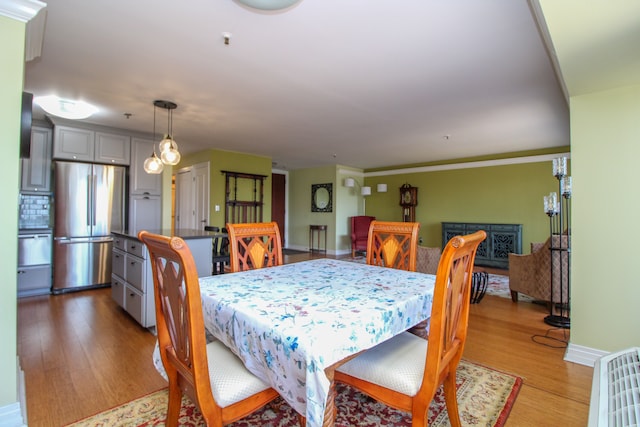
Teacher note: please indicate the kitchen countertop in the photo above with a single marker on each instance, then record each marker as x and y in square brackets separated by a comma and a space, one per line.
[185, 234]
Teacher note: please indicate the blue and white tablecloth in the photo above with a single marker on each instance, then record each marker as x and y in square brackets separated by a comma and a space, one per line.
[289, 323]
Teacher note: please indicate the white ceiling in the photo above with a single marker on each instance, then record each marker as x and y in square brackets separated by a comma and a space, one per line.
[362, 83]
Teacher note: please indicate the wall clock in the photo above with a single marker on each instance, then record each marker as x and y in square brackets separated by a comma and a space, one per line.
[408, 201]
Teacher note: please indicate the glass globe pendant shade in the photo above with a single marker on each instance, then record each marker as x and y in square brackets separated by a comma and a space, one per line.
[153, 165]
[167, 143]
[170, 156]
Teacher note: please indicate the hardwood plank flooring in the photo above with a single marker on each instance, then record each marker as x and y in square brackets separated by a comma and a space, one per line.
[81, 354]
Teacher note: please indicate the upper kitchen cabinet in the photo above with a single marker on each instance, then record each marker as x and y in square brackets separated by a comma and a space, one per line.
[114, 149]
[143, 183]
[90, 146]
[36, 170]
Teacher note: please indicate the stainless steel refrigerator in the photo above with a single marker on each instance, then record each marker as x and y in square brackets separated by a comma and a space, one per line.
[89, 203]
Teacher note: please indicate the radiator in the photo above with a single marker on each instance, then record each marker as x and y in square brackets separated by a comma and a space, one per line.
[615, 391]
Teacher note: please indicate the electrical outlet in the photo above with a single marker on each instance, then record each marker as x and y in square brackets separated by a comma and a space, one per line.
[217, 208]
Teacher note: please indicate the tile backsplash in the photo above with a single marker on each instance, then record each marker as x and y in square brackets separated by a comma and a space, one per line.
[35, 211]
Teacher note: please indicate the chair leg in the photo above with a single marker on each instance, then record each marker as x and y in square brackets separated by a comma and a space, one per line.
[451, 399]
[514, 296]
[173, 405]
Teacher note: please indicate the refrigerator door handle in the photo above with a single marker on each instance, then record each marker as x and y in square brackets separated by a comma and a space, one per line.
[89, 186]
[95, 192]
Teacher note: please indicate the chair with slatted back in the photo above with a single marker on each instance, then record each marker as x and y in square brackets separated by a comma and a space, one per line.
[254, 245]
[405, 371]
[393, 244]
[220, 249]
[211, 376]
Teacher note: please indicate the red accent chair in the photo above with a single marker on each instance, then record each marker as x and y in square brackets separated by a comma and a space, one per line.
[360, 233]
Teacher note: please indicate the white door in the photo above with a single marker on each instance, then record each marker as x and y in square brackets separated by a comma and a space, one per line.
[185, 196]
[201, 172]
[192, 197]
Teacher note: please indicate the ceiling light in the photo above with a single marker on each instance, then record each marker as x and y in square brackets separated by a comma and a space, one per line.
[268, 4]
[168, 148]
[65, 108]
[169, 154]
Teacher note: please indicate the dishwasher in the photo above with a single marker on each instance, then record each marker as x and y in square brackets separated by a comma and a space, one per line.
[34, 263]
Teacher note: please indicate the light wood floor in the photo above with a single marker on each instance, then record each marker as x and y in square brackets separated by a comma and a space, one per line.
[81, 354]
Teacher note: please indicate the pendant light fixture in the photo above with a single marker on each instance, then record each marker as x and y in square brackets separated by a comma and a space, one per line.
[169, 154]
[153, 164]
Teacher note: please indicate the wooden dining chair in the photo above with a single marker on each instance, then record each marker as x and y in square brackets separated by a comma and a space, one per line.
[254, 245]
[393, 244]
[405, 371]
[214, 378]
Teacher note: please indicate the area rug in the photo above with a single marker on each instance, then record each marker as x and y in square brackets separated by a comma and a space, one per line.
[485, 398]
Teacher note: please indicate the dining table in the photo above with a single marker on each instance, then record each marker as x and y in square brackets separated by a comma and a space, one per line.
[292, 325]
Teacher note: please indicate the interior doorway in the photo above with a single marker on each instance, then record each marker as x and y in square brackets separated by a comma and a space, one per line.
[278, 203]
[191, 198]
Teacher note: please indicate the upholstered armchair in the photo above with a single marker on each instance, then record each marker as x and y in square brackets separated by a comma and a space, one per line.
[530, 274]
[428, 259]
[360, 233]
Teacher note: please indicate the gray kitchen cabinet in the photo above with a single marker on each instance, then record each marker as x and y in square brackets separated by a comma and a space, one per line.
[144, 213]
[36, 170]
[112, 148]
[73, 144]
[87, 145]
[132, 282]
[141, 182]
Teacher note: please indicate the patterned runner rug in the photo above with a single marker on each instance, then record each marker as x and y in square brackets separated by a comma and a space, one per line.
[485, 397]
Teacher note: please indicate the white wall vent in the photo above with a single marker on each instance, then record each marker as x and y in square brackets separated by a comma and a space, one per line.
[615, 391]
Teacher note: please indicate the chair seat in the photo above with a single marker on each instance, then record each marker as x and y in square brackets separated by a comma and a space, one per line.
[231, 382]
[397, 364]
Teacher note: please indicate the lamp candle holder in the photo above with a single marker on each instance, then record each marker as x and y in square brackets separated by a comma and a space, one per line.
[560, 248]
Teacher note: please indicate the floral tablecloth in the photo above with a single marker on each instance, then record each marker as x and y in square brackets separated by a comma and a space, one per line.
[289, 323]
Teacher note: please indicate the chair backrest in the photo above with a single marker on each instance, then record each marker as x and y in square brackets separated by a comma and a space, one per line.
[254, 245]
[450, 309]
[179, 320]
[360, 226]
[393, 244]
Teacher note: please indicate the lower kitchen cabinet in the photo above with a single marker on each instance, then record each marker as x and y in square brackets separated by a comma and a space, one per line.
[131, 278]
[132, 282]
[34, 280]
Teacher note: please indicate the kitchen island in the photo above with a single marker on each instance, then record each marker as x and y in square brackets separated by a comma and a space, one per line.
[131, 278]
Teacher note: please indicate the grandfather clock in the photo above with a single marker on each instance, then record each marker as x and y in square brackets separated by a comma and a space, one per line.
[408, 201]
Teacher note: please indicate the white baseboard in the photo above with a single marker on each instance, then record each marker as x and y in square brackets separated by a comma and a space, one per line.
[583, 355]
[11, 416]
[15, 414]
[306, 249]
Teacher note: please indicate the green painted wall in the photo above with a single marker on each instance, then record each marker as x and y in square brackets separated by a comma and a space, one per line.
[300, 215]
[12, 34]
[220, 160]
[605, 289]
[511, 194]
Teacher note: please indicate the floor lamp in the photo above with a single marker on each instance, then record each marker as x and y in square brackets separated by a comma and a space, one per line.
[559, 212]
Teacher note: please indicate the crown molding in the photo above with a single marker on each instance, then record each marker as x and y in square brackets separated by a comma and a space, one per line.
[469, 165]
[21, 10]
